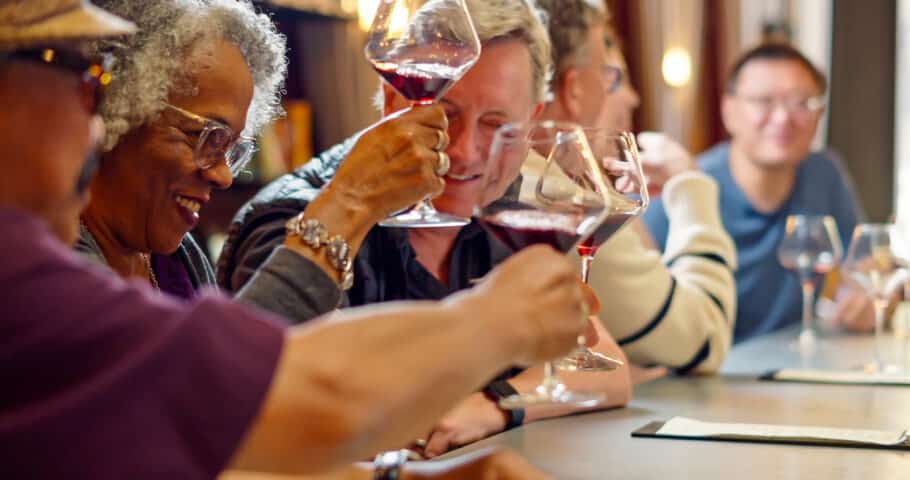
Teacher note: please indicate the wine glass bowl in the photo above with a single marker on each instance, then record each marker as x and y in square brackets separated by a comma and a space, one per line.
[421, 48]
[811, 248]
[626, 187]
[538, 187]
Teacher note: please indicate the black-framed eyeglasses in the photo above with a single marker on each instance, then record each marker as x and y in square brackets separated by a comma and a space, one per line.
[613, 76]
[216, 142]
[94, 74]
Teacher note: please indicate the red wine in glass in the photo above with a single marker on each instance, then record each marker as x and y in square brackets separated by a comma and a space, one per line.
[615, 221]
[419, 83]
[518, 229]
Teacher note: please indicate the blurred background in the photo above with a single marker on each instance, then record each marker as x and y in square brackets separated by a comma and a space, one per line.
[678, 53]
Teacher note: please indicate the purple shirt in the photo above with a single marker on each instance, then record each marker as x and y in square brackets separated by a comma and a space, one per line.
[104, 379]
[172, 277]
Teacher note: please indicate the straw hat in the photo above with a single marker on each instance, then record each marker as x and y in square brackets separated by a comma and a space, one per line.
[25, 23]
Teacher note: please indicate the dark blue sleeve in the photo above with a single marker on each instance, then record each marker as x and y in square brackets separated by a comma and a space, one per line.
[845, 206]
[655, 218]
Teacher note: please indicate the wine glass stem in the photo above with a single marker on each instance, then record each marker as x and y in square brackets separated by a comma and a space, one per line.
[880, 307]
[586, 267]
[424, 206]
[585, 275]
[550, 383]
[808, 299]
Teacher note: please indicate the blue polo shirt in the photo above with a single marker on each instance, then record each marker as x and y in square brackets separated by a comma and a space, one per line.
[768, 296]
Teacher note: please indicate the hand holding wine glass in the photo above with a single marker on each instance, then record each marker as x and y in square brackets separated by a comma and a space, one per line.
[533, 296]
[874, 262]
[392, 164]
[811, 247]
[420, 48]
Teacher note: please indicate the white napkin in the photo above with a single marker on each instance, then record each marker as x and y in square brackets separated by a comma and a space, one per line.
[857, 377]
[686, 427]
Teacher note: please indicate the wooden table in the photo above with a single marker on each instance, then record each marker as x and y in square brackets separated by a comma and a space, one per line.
[598, 445]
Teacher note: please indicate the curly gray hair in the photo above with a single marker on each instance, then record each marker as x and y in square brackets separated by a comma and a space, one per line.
[570, 24]
[150, 66]
[497, 20]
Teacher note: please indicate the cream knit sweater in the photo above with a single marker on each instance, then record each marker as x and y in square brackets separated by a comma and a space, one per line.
[675, 310]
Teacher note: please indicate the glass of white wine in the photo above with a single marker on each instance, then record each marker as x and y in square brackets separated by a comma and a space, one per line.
[873, 262]
[811, 248]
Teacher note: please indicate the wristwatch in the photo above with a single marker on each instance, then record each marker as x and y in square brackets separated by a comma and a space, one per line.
[498, 390]
[387, 465]
[315, 235]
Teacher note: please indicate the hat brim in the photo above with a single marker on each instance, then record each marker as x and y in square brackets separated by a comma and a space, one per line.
[84, 23]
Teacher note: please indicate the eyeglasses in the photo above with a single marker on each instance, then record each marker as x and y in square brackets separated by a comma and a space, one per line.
[613, 77]
[799, 106]
[93, 75]
[216, 142]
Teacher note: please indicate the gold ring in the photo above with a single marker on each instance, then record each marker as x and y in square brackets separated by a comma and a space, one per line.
[442, 167]
[440, 141]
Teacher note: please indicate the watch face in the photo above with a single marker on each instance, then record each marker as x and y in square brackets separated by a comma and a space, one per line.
[386, 465]
[392, 458]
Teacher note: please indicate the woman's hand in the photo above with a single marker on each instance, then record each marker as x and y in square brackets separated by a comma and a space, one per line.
[394, 163]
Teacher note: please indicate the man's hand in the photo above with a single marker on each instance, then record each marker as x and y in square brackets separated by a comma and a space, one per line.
[661, 159]
[532, 301]
[475, 418]
[853, 310]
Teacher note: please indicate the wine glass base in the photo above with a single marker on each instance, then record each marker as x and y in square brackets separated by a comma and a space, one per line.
[419, 218]
[587, 361]
[806, 343]
[539, 398]
[883, 368]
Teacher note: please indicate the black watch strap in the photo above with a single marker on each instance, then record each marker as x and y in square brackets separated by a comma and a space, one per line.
[498, 390]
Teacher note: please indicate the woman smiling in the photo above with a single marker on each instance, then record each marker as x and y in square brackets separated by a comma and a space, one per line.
[190, 87]
[190, 91]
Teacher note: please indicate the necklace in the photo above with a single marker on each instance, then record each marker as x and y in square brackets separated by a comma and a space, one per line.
[147, 258]
[148, 264]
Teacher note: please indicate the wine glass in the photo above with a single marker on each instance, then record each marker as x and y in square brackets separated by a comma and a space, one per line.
[811, 248]
[874, 263]
[421, 48]
[628, 191]
[542, 184]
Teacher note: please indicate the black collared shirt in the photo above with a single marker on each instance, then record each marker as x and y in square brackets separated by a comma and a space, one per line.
[386, 268]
